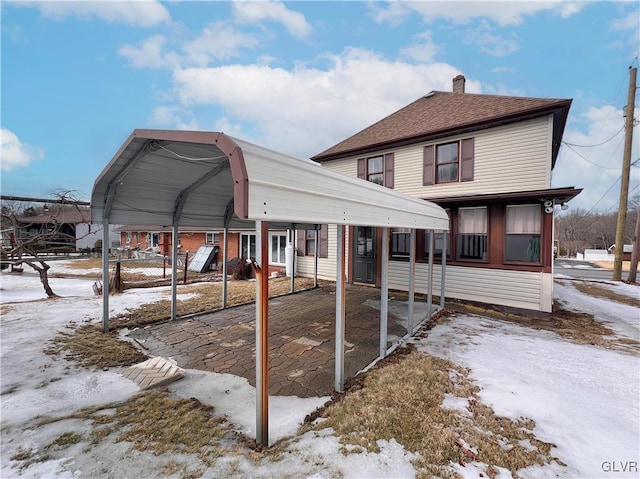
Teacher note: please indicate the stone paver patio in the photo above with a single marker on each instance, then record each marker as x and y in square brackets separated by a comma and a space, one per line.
[301, 339]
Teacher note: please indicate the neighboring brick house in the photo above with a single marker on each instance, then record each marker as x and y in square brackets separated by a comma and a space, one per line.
[487, 160]
[240, 243]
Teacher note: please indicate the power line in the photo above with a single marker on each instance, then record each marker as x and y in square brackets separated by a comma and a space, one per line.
[597, 144]
[588, 160]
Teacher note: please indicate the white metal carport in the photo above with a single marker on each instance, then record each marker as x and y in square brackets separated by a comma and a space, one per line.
[189, 178]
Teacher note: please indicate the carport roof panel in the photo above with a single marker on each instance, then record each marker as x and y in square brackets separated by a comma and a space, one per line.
[144, 181]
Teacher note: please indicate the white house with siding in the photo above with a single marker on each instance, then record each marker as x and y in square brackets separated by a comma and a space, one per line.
[488, 161]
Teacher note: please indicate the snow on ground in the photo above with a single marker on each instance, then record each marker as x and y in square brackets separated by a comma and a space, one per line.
[584, 399]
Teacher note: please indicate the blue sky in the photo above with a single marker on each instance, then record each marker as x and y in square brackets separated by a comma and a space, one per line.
[298, 77]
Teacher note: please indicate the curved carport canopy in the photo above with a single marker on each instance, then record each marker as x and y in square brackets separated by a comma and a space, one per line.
[188, 178]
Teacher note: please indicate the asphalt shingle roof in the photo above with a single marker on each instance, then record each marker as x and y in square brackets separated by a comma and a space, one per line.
[442, 113]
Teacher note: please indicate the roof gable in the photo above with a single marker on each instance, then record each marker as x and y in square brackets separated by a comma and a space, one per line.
[439, 114]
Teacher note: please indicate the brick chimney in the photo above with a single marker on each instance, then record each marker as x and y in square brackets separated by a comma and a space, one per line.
[458, 84]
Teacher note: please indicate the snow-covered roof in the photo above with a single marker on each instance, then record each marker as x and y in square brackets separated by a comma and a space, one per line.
[197, 178]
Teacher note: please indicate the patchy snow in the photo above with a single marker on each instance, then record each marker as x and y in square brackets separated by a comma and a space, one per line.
[584, 399]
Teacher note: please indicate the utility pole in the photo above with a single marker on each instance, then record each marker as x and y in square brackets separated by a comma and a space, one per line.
[634, 254]
[624, 184]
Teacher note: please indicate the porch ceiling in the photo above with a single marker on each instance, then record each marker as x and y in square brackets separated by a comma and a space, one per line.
[188, 178]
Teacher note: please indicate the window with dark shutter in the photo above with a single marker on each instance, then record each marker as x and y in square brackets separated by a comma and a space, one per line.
[428, 170]
[362, 168]
[301, 237]
[388, 170]
[466, 160]
[323, 235]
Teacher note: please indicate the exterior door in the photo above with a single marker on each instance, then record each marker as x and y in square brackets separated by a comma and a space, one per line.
[364, 248]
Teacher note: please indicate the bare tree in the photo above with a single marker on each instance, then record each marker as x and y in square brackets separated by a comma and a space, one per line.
[29, 231]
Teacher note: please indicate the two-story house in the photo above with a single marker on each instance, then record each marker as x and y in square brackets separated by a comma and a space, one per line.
[487, 160]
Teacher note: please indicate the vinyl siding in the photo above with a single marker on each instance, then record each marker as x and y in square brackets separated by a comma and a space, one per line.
[520, 289]
[326, 266]
[509, 158]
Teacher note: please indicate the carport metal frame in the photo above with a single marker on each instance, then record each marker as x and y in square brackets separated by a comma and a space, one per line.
[188, 178]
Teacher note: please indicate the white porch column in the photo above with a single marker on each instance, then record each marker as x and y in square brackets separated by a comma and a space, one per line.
[412, 280]
[430, 280]
[225, 259]
[105, 275]
[340, 310]
[174, 271]
[443, 267]
[384, 292]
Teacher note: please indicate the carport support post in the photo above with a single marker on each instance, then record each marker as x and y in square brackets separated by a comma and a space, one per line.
[384, 292]
[315, 259]
[430, 280]
[174, 271]
[262, 333]
[412, 280]
[293, 260]
[340, 310]
[443, 267]
[105, 274]
[225, 259]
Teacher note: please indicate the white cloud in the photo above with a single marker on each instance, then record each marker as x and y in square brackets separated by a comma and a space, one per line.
[149, 53]
[143, 13]
[489, 43]
[283, 107]
[218, 41]
[257, 11]
[503, 13]
[629, 22]
[423, 49]
[597, 165]
[16, 154]
[170, 116]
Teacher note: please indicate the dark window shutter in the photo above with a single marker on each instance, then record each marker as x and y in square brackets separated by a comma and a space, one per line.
[428, 167]
[323, 234]
[362, 168]
[388, 170]
[301, 242]
[466, 160]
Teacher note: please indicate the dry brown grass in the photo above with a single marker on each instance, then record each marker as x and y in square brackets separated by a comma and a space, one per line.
[403, 401]
[151, 421]
[626, 265]
[577, 327]
[594, 289]
[90, 347]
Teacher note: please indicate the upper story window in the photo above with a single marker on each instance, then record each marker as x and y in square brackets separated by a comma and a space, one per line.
[522, 233]
[377, 169]
[448, 162]
[471, 240]
[375, 173]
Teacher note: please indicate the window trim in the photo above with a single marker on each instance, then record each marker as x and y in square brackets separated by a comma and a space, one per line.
[248, 236]
[438, 181]
[540, 236]
[215, 237]
[487, 228]
[278, 234]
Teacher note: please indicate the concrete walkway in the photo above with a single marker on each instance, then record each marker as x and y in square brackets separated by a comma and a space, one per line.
[301, 339]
